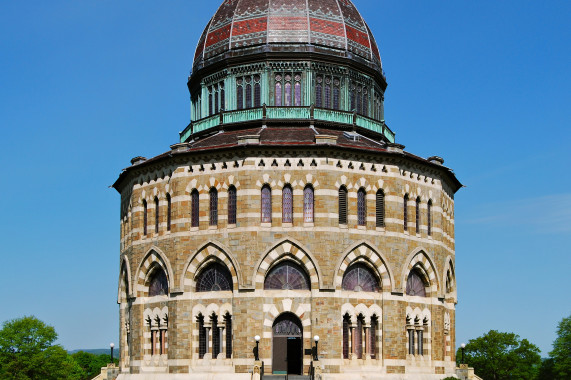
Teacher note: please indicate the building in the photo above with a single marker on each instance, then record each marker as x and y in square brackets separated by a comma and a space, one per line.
[286, 211]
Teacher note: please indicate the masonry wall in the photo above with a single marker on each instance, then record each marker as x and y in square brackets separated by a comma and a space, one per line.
[323, 248]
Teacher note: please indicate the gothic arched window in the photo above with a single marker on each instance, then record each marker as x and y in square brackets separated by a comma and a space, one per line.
[308, 204]
[144, 217]
[213, 207]
[287, 275]
[418, 215]
[361, 207]
[287, 204]
[342, 205]
[240, 93]
[232, 205]
[158, 283]
[156, 215]
[214, 278]
[194, 205]
[415, 285]
[359, 278]
[429, 216]
[380, 208]
[266, 204]
[169, 212]
[405, 212]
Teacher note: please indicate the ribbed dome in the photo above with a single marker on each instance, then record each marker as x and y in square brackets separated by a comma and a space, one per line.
[333, 25]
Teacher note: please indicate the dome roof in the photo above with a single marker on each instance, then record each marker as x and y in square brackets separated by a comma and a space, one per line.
[335, 26]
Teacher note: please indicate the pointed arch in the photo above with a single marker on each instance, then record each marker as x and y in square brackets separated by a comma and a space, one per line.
[288, 247]
[153, 258]
[364, 252]
[125, 288]
[209, 252]
[421, 260]
[449, 274]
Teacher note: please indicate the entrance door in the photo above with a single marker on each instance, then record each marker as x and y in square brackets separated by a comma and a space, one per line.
[287, 345]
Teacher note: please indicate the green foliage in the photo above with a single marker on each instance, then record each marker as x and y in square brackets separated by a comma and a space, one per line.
[561, 353]
[450, 378]
[546, 370]
[91, 363]
[498, 356]
[27, 352]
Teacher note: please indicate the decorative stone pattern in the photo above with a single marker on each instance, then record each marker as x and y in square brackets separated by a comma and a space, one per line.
[240, 24]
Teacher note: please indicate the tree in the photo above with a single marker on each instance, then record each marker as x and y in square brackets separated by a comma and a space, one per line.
[498, 356]
[561, 353]
[91, 363]
[27, 352]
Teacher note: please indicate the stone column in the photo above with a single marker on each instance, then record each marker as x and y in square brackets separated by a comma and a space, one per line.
[222, 342]
[207, 329]
[352, 342]
[367, 329]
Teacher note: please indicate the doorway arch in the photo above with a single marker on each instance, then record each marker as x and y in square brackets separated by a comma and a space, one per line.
[287, 340]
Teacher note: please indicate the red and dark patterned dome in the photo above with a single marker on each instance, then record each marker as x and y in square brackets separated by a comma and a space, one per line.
[245, 26]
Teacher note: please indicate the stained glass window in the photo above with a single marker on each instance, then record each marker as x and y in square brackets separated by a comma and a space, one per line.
[308, 204]
[222, 97]
[232, 205]
[342, 205]
[287, 205]
[327, 92]
[210, 102]
[353, 95]
[418, 215]
[287, 275]
[359, 278]
[257, 91]
[415, 285]
[216, 100]
[156, 215]
[266, 204]
[213, 207]
[361, 207]
[194, 208]
[336, 97]
[240, 93]
[287, 88]
[297, 95]
[248, 92]
[359, 99]
[319, 92]
[287, 326]
[380, 208]
[214, 278]
[365, 101]
[169, 212]
[405, 212]
[278, 91]
[429, 217]
[144, 217]
[158, 284]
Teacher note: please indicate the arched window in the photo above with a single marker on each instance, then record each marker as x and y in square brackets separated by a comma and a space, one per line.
[308, 204]
[278, 91]
[346, 324]
[287, 90]
[380, 208]
[418, 215]
[214, 278]
[429, 216]
[228, 322]
[266, 204]
[319, 91]
[415, 285]
[405, 212]
[194, 204]
[240, 93]
[327, 92]
[257, 91]
[287, 275]
[232, 205]
[336, 83]
[158, 283]
[210, 101]
[248, 92]
[213, 207]
[359, 278]
[156, 215]
[169, 212]
[201, 336]
[297, 90]
[361, 207]
[342, 205]
[144, 217]
[215, 335]
[358, 338]
[287, 204]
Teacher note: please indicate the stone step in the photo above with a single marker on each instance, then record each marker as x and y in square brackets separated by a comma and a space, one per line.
[283, 377]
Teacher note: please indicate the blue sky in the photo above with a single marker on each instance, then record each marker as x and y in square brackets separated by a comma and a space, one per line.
[87, 85]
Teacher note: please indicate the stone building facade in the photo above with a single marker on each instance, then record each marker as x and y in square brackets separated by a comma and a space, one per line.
[287, 211]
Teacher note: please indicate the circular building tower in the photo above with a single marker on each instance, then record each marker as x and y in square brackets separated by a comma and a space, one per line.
[287, 211]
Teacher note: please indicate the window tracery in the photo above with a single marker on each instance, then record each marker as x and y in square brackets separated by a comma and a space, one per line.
[308, 202]
[266, 204]
[287, 89]
[287, 204]
[361, 207]
[415, 285]
[158, 283]
[287, 276]
[214, 278]
[232, 205]
[359, 278]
